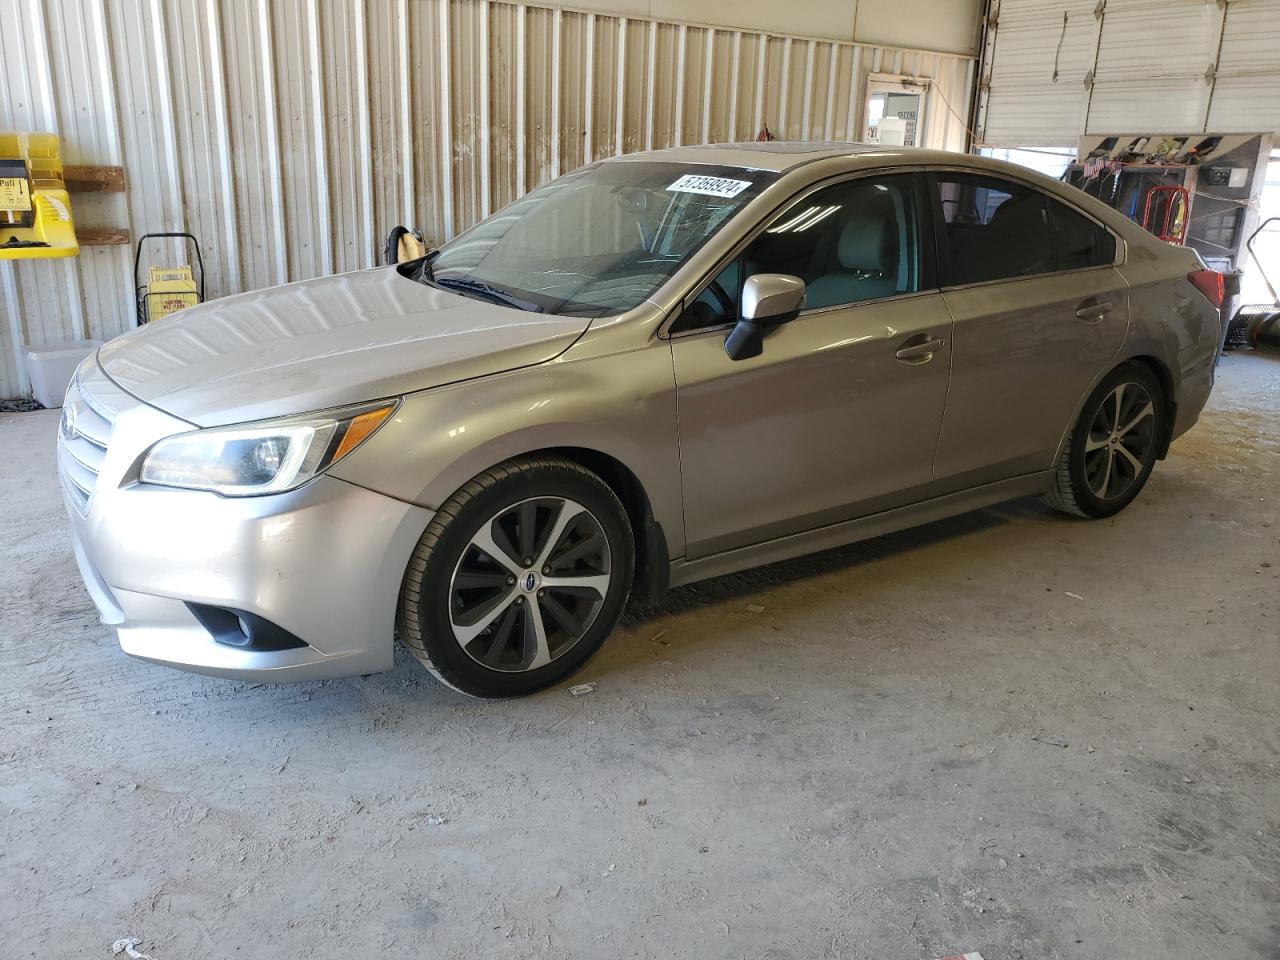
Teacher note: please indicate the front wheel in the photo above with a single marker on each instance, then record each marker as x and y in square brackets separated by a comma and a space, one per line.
[520, 577]
[1111, 450]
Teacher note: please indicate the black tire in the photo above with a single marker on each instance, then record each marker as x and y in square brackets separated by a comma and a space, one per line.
[1080, 476]
[425, 616]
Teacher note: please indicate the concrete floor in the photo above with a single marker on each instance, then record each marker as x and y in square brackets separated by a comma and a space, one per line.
[1011, 733]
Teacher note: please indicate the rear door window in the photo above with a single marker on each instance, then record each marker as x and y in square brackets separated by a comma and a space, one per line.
[995, 229]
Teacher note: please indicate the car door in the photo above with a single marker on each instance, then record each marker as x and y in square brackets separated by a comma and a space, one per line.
[1040, 312]
[839, 415]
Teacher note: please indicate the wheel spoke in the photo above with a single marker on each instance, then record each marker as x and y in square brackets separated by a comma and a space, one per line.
[501, 554]
[1104, 482]
[477, 621]
[578, 550]
[502, 632]
[1093, 465]
[479, 579]
[1148, 410]
[569, 511]
[1090, 444]
[528, 528]
[536, 651]
[1134, 461]
[571, 624]
[1118, 396]
[595, 582]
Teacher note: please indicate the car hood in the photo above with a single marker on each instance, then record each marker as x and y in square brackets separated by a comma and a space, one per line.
[322, 343]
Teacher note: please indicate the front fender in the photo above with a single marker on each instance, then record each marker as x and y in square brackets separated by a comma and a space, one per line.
[622, 405]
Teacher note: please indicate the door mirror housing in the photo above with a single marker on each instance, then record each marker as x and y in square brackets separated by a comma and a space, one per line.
[768, 299]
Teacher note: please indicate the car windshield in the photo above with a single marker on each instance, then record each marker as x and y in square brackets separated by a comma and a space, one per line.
[595, 242]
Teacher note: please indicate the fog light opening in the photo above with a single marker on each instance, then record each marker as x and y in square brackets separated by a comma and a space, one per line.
[244, 630]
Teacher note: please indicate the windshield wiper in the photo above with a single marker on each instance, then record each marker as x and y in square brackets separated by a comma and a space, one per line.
[487, 290]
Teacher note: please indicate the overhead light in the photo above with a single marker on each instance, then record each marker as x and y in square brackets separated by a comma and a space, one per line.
[805, 220]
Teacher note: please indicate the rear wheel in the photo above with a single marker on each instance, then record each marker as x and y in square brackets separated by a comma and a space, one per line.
[1113, 446]
[518, 580]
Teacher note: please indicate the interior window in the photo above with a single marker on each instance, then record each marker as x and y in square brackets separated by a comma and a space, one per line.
[1077, 240]
[996, 229]
[851, 242]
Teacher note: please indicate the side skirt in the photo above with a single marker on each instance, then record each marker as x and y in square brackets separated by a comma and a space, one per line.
[863, 528]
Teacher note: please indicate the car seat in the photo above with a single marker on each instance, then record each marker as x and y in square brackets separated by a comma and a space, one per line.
[867, 267]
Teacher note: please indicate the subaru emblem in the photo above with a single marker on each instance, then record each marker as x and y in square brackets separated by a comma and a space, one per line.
[530, 581]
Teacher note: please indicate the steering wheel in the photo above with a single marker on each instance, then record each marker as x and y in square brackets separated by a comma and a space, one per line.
[701, 314]
[725, 302]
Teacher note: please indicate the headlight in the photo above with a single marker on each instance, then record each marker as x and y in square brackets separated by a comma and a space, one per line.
[270, 456]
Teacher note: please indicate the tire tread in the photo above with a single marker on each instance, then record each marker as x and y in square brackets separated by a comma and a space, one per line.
[1061, 496]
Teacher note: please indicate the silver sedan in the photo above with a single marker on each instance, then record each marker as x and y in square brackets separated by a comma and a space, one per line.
[656, 369]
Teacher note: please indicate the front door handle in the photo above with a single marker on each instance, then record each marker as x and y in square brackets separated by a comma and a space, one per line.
[920, 351]
[1094, 309]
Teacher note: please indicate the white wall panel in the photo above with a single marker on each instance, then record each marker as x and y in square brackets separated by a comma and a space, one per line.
[291, 135]
[950, 27]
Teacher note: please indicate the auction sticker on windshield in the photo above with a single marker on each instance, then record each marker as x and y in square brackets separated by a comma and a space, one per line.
[709, 186]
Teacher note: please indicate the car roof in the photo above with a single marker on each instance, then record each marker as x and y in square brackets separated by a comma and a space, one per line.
[780, 156]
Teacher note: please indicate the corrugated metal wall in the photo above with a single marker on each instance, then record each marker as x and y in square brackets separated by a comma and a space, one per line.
[291, 135]
[1129, 65]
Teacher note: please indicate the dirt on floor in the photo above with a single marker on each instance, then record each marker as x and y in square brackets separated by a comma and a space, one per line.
[1010, 732]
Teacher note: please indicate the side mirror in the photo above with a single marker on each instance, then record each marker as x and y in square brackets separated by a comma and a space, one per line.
[768, 299]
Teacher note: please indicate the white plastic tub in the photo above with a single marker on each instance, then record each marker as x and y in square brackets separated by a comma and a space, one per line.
[52, 365]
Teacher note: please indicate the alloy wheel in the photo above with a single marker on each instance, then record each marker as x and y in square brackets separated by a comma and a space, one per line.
[529, 584]
[1121, 441]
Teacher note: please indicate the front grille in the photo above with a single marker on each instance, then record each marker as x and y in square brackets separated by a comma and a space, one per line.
[83, 435]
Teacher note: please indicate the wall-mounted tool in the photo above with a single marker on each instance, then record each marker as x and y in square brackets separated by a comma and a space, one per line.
[35, 214]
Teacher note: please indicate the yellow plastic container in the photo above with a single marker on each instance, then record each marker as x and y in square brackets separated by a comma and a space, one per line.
[35, 211]
[170, 289]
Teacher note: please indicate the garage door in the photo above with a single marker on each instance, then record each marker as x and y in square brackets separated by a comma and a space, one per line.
[1055, 70]
[1026, 105]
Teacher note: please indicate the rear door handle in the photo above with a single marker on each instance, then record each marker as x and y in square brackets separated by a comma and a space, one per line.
[921, 351]
[1094, 310]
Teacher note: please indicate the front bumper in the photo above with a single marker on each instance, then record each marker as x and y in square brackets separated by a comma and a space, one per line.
[324, 562]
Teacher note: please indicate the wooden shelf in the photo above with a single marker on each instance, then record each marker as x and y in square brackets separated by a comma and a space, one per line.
[101, 236]
[93, 179]
[96, 179]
